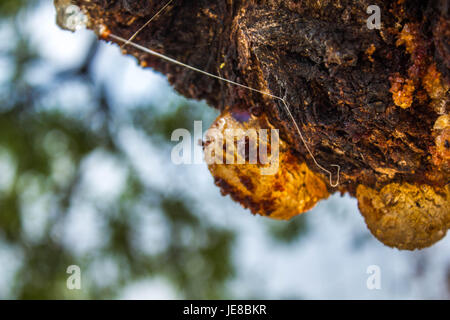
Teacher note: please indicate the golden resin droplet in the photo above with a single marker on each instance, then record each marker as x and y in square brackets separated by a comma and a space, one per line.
[406, 216]
[286, 191]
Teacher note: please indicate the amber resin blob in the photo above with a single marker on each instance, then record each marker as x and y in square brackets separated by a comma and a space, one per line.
[406, 216]
[281, 189]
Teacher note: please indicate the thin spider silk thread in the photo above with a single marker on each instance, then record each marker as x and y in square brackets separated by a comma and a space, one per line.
[286, 107]
[285, 104]
[146, 24]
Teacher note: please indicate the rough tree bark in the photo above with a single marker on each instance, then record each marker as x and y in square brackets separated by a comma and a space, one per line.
[375, 102]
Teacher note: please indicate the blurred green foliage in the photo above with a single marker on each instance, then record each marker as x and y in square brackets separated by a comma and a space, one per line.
[9, 8]
[45, 148]
[288, 232]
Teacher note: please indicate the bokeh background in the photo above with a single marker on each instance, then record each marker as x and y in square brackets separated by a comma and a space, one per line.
[86, 179]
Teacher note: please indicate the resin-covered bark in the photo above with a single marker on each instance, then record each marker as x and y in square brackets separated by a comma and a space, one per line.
[375, 102]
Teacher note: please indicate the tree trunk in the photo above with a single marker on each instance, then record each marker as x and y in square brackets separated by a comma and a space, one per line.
[373, 101]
